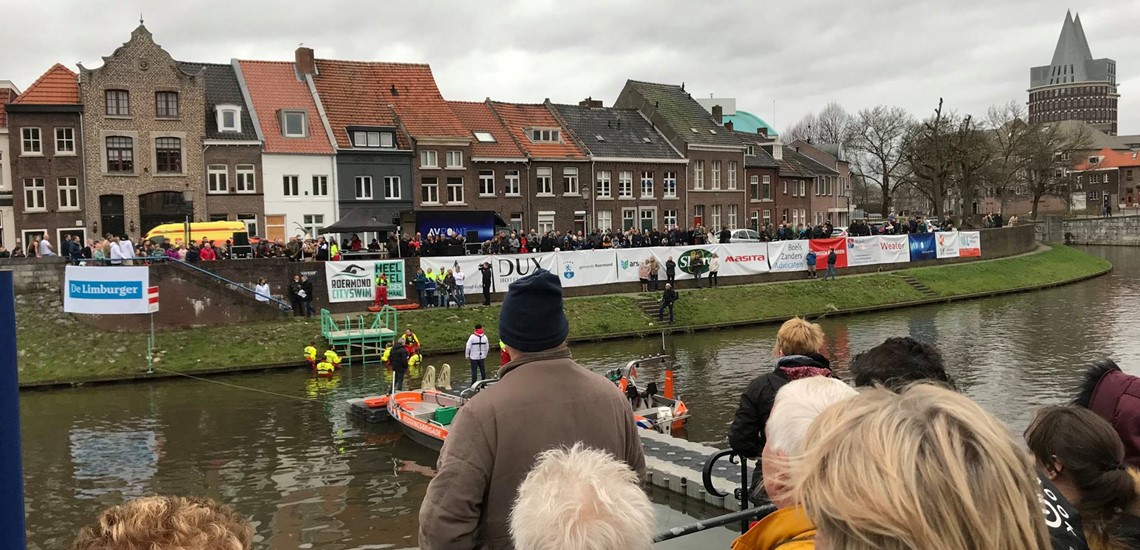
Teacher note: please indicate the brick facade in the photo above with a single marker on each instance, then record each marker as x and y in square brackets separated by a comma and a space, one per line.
[638, 203]
[54, 214]
[142, 69]
[512, 208]
[705, 201]
[762, 206]
[234, 204]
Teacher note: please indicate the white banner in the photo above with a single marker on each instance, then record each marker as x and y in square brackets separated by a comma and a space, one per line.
[894, 249]
[742, 259]
[355, 281]
[786, 256]
[946, 244]
[629, 262]
[586, 267]
[468, 265]
[106, 290]
[510, 268]
[969, 244]
[863, 251]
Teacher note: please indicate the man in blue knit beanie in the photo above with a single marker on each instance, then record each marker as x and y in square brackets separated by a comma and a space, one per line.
[542, 400]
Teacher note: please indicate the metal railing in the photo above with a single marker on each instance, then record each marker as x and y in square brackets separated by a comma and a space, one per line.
[745, 515]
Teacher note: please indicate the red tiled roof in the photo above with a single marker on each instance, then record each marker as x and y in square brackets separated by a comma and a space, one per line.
[1110, 158]
[519, 117]
[7, 95]
[58, 86]
[360, 93]
[478, 117]
[273, 86]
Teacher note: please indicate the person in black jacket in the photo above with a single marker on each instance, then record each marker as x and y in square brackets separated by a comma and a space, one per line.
[485, 270]
[670, 271]
[398, 360]
[295, 296]
[797, 345]
[725, 235]
[307, 296]
[668, 297]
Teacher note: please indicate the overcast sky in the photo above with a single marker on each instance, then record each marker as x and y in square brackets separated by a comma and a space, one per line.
[800, 55]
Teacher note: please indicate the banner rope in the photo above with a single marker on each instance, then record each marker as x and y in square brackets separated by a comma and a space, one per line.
[235, 386]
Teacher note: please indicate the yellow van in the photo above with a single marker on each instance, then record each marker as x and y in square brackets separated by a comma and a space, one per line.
[218, 232]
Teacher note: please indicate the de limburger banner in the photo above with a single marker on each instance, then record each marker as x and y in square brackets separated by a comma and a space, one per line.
[106, 290]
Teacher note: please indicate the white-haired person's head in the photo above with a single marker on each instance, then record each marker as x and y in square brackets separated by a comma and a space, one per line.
[797, 405]
[581, 499]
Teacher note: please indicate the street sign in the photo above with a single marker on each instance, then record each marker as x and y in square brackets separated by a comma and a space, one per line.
[152, 299]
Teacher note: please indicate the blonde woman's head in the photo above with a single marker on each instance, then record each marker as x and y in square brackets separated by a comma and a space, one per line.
[926, 468]
[167, 523]
[798, 337]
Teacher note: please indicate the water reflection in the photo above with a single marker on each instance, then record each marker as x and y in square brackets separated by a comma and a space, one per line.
[310, 478]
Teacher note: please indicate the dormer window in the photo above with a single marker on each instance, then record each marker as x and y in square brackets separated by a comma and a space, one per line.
[547, 135]
[294, 124]
[366, 138]
[751, 150]
[1094, 160]
[484, 137]
[229, 118]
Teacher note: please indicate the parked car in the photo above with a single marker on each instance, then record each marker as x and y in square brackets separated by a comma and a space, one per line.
[744, 236]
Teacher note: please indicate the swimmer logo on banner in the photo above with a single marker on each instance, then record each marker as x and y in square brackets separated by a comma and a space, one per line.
[355, 281]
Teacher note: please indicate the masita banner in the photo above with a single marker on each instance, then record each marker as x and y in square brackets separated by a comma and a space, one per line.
[106, 290]
[784, 256]
[586, 267]
[742, 259]
[946, 244]
[863, 251]
[355, 281]
[969, 244]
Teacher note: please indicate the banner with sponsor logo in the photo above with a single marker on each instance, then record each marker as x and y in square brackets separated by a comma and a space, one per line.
[863, 251]
[784, 256]
[586, 267]
[894, 249]
[629, 262]
[510, 268]
[742, 259]
[969, 244]
[946, 244]
[355, 281]
[822, 247]
[469, 265]
[922, 247]
[106, 290]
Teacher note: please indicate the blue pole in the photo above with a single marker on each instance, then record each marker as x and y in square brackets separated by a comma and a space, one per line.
[11, 470]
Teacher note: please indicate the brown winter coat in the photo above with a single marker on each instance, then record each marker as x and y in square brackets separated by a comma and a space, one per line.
[542, 401]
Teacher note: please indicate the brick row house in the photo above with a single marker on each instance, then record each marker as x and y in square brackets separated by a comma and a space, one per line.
[298, 160]
[1108, 177]
[46, 155]
[762, 176]
[830, 201]
[498, 166]
[714, 194]
[638, 178]
[793, 198]
[8, 93]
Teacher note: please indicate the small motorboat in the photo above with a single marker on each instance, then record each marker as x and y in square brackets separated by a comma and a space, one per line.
[652, 411]
[426, 414]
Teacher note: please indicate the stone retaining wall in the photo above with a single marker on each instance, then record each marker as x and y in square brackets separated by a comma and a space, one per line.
[1116, 231]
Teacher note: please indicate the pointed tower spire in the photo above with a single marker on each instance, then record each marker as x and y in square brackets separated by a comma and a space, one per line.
[1081, 40]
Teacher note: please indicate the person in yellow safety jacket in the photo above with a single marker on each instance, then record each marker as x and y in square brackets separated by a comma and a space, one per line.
[311, 354]
[332, 358]
[384, 356]
[325, 368]
[334, 251]
[381, 290]
[411, 342]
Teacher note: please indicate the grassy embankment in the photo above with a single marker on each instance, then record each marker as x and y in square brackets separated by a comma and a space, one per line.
[55, 347]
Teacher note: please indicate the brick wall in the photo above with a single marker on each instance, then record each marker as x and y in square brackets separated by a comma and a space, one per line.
[707, 197]
[231, 203]
[50, 166]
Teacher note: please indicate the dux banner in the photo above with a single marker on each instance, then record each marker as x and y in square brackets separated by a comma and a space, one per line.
[946, 244]
[863, 251]
[586, 267]
[508, 269]
[922, 247]
[969, 244]
[894, 249]
[355, 281]
[468, 265]
[106, 290]
[786, 256]
[822, 247]
[742, 259]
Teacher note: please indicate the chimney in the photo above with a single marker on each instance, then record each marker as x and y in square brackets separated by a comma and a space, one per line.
[762, 131]
[728, 126]
[718, 113]
[306, 64]
[590, 103]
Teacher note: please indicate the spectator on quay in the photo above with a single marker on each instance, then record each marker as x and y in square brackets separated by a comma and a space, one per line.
[714, 268]
[398, 360]
[18, 252]
[460, 280]
[485, 271]
[643, 274]
[494, 438]
[476, 352]
[193, 254]
[798, 344]
[1115, 396]
[1083, 456]
[654, 273]
[430, 287]
[87, 251]
[972, 488]
[1013, 220]
[207, 253]
[4, 254]
[307, 295]
[322, 250]
[295, 296]
[725, 235]
[167, 523]
[420, 283]
[797, 405]
[34, 247]
[811, 258]
[44, 248]
[261, 290]
[580, 498]
[670, 271]
[668, 298]
[831, 259]
[127, 250]
[447, 289]
[374, 246]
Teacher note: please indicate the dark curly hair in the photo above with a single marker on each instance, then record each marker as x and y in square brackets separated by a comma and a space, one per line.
[899, 362]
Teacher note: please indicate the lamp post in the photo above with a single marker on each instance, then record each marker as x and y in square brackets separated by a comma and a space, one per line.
[586, 217]
[188, 206]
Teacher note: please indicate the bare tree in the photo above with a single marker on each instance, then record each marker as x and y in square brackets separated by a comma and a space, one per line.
[1047, 153]
[835, 125]
[877, 140]
[1008, 134]
[802, 130]
[972, 153]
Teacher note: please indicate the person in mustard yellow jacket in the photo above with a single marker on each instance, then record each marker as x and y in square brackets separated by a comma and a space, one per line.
[332, 358]
[797, 404]
[311, 355]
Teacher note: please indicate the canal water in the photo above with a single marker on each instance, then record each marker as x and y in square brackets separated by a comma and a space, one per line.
[280, 448]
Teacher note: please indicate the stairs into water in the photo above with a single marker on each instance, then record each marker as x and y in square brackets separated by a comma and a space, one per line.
[649, 305]
[917, 285]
